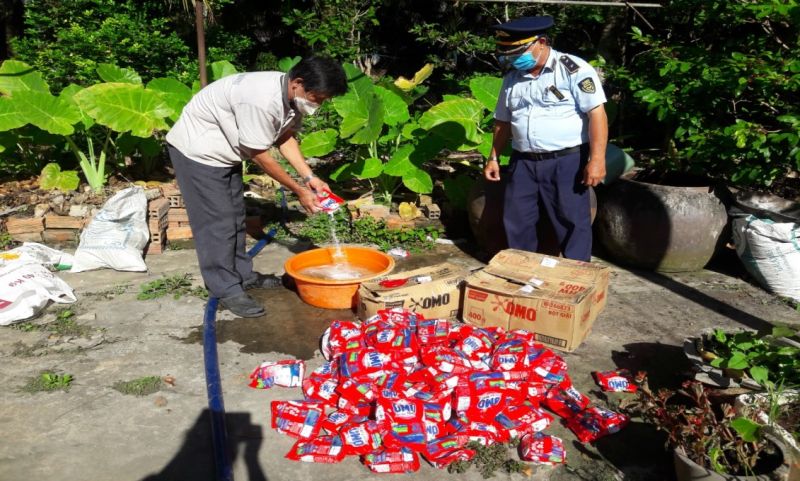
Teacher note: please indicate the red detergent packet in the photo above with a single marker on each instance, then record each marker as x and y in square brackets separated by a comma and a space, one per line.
[596, 422]
[280, 373]
[298, 419]
[335, 420]
[565, 400]
[329, 201]
[542, 448]
[324, 449]
[341, 337]
[360, 438]
[449, 457]
[615, 381]
[433, 331]
[387, 461]
[521, 419]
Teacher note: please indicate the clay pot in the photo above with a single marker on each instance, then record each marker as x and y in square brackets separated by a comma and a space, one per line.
[660, 227]
[688, 470]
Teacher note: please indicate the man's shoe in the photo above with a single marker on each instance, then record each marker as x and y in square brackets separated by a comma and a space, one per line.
[242, 305]
[263, 281]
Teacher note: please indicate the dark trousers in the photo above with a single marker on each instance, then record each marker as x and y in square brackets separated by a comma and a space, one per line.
[214, 199]
[554, 184]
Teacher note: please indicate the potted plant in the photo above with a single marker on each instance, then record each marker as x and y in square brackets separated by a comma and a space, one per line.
[700, 78]
[746, 358]
[710, 442]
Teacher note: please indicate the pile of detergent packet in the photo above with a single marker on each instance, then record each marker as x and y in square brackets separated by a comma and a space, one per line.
[399, 386]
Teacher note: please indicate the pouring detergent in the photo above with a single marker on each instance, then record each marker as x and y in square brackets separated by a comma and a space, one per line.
[340, 269]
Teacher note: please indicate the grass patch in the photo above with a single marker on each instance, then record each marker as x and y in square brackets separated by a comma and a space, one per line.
[66, 325]
[111, 292]
[48, 381]
[139, 387]
[177, 285]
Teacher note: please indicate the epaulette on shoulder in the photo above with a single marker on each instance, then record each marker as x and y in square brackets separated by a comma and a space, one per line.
[569, 64]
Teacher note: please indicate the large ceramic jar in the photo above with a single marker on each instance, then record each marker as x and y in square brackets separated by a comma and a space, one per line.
[662, 227]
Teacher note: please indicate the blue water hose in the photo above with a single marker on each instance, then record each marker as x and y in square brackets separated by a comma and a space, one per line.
[216, 405]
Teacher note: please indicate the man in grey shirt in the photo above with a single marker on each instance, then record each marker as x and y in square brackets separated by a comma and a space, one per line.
[235, 118]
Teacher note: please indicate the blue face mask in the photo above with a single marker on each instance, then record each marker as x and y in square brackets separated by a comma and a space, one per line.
[524, 62]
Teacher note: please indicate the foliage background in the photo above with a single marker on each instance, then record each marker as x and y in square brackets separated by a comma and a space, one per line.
[705, 86]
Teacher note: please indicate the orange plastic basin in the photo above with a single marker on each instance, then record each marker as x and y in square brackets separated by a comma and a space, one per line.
[335, 294]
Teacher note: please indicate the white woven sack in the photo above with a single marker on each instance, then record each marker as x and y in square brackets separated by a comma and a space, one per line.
[770, 251]
[116, 236]
[26, 288]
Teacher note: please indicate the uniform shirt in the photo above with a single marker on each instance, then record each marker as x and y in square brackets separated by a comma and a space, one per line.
[541, 121]
[243, 110]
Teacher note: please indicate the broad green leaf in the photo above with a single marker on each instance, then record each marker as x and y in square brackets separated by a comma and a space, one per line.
[466, 113]
[400, 164]
[16, 76]
[411, 130]
[783, 331]
[285, 64]
[362, 118]
[319, 143]
[125, 107]
[486, 90]
[175, 94]
[112, 73]
[52, 177]
[367, 168]
[358, 83]
[52, 114]
[344, 172]
[737, 361]
[746, 428]
[457, 190]
[10, 115]
[394, 107]
[68, 94]
[221, 69]
[760, 374]
[374, 122]
[418, 181]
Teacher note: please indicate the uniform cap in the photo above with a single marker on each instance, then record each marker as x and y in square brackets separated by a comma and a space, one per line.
[519, 33]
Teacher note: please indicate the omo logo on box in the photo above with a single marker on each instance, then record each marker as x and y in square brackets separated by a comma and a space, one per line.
[520, 311]
[485, 401]
[430, 302]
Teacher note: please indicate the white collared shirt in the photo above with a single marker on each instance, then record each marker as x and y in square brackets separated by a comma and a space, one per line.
[540, 120]
[247, 110]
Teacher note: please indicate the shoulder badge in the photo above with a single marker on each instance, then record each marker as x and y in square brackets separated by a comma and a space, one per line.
[570, 64]
[587, 85]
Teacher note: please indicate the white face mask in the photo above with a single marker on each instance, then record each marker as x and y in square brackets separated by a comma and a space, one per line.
[305, 106]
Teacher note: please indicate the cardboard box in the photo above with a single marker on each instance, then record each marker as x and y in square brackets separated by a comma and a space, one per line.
[557, 299]
[438, 297]
[524, 266]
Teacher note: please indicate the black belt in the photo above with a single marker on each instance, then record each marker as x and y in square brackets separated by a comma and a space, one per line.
[546, 155]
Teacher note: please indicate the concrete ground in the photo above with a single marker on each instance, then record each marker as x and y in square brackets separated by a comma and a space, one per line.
[94, 432]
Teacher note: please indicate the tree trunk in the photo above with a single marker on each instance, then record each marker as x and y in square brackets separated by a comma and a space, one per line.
[11, 24]
[201, 41]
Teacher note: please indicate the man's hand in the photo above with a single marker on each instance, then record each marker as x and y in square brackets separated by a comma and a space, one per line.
[595, 172]
[317, 185]
[492, 171]
[309, 201]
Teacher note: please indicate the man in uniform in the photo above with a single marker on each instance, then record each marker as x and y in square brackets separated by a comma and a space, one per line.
[551, 107]
[235, 118]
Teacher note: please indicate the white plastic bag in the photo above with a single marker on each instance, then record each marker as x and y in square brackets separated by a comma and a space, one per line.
[32, 252]
[770, 251]
[117, 234]
[26, 288]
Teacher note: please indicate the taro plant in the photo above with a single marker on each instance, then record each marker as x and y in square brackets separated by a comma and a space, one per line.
[99, 123]
[395, 136]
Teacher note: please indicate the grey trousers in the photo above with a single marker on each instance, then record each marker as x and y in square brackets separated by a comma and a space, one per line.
[214, 198]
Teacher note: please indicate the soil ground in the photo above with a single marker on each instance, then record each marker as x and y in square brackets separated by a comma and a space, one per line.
[94, 432]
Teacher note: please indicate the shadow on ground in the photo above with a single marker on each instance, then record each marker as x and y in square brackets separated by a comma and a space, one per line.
[194, 461]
